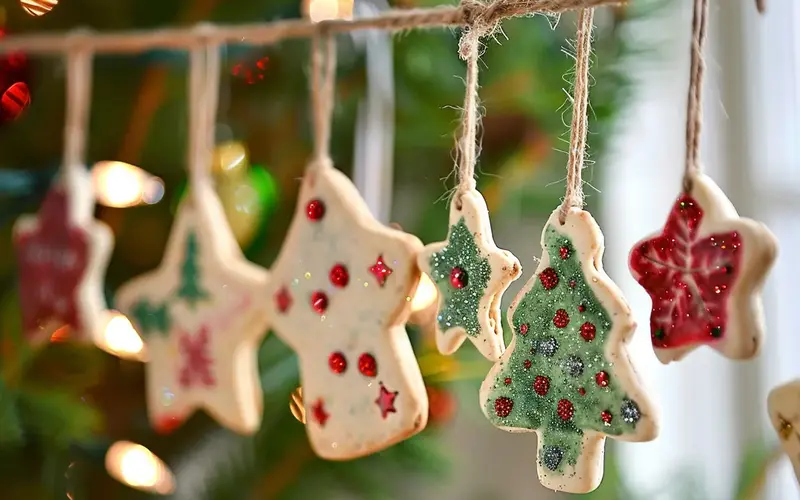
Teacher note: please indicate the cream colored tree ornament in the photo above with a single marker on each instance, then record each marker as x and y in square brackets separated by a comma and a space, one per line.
[783, 404]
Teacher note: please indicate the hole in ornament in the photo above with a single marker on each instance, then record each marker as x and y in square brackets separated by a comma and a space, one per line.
[14, 101]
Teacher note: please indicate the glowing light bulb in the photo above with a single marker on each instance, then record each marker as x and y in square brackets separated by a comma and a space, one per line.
[326, 10]
[121, 339]
[136, 466]
[425, 294]
[119, 184]
[38, 7]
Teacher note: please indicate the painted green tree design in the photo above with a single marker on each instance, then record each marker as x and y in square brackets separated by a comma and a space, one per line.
[149, 318]
[191, 289]
[557, 379]
[461, 273]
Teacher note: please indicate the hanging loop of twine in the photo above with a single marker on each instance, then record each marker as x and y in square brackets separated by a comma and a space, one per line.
[323, 96]
[580, 117]
[78, 99]
[204, 74]
[694, 102]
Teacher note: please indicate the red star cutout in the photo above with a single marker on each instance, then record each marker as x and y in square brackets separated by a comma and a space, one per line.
[52, 262]
[319, 413]
[380, 270]
[283, 299]
[385, 401]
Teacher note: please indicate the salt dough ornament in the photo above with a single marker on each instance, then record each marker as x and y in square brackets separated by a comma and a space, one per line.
[62, 254]
[471, 274]
[567, 375]
[202, 321]
[340, 294]
[704, 273]
[783, 404]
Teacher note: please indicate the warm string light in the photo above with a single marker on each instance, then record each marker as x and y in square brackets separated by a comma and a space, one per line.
[425, 294]
[121, 339]
[118, 184]
[135, 466]
[326, 10]
[38, 7]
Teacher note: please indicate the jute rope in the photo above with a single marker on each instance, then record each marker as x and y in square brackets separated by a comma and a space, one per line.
[323, 96]
[204, 74]
[78, 102]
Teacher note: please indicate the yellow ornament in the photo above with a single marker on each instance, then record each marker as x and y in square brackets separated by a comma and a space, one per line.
[230, 160]
[38, 7]
[243, 207]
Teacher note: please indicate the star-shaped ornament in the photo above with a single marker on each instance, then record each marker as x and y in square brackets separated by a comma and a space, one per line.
[704, 273]
[339, 295]
[200, 316]
[783, 405]
[471, 274]
[62, 254]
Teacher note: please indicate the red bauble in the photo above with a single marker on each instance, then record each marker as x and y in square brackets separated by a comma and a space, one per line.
[588, 331]
[523, 329]
[14, 84]
[315, 210]
[337, 362]
[564, 253]
[339, 276]
[581, 308]
[581, 391]
[602, 379]
[367, 365]
[319, 301]
[565, 409]
[442, 405]
[527, 364]
[561, 319]
[507, 381]
[458, 277]
[549, 278]
[503, 406]
[606, 417]
[541, 385]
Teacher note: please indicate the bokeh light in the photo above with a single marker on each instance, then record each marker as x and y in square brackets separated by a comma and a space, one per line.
[121, 339]
[136, 466]
[119, 184]
[425, 294]
[326, 10]
[38, 7]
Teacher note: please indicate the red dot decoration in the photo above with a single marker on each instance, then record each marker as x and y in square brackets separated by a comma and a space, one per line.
[527, 364]
[606, 417]
[581, 308]
[588, 331]
[14, 101]
[458, 278]
[564, 253]
[561, 319]
[507, 381]
[283, 300]
[541, 385]
[367, 365]
[339, 276]
[315, 210]
[319, 301]
[381, 271]
[15, 80]
[565, 409]
[572, 283]
[503, 406]
[337, 362]
[549, 278]
[602, 379]
[523, 329]
[581, 391]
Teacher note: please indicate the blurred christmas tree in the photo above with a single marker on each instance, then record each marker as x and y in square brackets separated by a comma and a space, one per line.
[61, 405]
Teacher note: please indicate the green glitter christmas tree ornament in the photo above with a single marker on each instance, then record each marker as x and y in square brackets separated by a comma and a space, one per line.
[470, 274]
[567, 375]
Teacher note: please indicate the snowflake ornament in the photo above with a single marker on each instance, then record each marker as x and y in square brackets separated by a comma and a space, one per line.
[471, 274]
[567, 374]
[340, 295]
[62, 254]
[704, 273]
[201, 320]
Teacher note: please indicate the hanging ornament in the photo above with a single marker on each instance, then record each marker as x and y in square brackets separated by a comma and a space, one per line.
[15, 93]
[783, 404]
[38, 7]
[199, 311]
[248, 202]
[705, 269]
[230, 159]
[567, 374]
[63, 251]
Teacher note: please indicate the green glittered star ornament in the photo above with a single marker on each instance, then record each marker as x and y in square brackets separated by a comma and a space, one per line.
[567, 374]
[471, 274]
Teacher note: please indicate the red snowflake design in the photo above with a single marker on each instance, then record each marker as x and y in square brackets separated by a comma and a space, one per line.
[688, 278]
[52, 263]
[197, 367]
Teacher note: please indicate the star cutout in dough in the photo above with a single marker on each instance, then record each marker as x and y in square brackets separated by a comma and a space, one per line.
[62, 253]
[783, 404]
[339, 294]
[704, 273]
[202, 320]
[471, 274]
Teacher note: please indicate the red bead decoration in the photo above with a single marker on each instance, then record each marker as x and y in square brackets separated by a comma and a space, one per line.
[581, 308]
[549, 278]
[458, 278]
[283, 300]
[561, 319]
[602, 379]
[588, 331]
[565, 409]
[607, 417]
[167, 424]
[541, 385]
[503, 406]
[527, 364]
[381, 271]
[339, 276]
[507, 381]
[367, 365]
[315, 210]
[572, 283]
[564, 253]
[523, 329]
[337, 362]
[318, 412]
[581, 391]
[14, 101]
[319, 301]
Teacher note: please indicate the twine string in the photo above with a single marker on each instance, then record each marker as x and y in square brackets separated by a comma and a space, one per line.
[323, 96]
[204, 74]
[468, 147]
[580, 117]
[694, 103]
[78, 97]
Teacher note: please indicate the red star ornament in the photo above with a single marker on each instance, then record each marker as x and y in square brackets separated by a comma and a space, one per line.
[62, 254]
[704, 273]
[358, 339]
[209, 321]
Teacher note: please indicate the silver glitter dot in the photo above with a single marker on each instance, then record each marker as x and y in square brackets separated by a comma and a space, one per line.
[630, 411]
[551, 457]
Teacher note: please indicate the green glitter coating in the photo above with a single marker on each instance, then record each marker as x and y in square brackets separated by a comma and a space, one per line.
[460, 306]
[532, 411]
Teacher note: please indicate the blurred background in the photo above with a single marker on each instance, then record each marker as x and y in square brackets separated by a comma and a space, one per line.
[72, 418]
